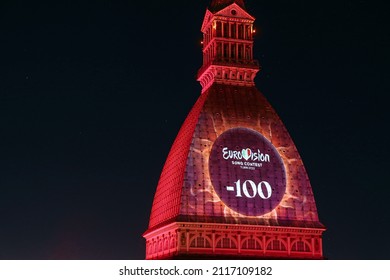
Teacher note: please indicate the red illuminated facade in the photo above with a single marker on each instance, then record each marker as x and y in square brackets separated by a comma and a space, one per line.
[233, 185]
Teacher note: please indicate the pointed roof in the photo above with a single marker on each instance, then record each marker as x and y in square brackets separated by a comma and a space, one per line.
[217, 5]
[188, 187]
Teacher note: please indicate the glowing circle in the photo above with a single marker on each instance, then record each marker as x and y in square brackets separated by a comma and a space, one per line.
[247, 172]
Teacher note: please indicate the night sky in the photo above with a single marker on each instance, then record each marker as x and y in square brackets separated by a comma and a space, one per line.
[93, 93]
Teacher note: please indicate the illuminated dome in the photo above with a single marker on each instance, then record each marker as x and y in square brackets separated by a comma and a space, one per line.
[185, 191]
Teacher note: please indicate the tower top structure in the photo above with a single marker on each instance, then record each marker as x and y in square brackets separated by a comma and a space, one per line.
[228, 45]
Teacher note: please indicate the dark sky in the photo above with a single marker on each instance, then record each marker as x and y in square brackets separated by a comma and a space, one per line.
[93, 93]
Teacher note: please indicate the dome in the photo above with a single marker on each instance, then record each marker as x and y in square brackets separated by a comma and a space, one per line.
[187, 189]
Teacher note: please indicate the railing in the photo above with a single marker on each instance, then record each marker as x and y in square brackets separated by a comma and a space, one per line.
[254, 64]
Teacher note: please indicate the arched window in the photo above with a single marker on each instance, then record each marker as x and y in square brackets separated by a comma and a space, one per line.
[251, 244]
[226, 243]
[200, 242]
[300, 246]
[276, 245]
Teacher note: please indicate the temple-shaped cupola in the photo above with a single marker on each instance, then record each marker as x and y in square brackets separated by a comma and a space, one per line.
[227, 45]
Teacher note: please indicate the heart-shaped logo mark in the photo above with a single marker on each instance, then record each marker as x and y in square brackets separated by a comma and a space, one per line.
[246, 153]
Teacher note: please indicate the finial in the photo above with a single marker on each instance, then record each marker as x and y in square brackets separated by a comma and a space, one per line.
[217, 5]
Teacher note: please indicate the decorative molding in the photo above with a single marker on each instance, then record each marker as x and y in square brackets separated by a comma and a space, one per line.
[201, 239]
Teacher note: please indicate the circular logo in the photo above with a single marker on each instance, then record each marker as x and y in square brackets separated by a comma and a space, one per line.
[247, 172]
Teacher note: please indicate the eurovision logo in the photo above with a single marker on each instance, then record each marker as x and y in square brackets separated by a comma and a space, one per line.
[245, 154]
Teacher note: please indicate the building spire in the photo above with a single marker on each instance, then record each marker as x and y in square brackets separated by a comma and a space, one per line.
[228, 46]
[217, 5]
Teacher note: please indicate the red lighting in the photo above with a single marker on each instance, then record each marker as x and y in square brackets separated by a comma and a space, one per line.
[233, 183]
